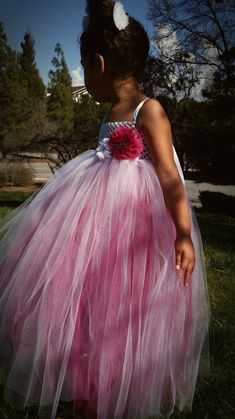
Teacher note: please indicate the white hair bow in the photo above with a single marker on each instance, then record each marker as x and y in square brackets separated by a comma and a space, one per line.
[120, 17]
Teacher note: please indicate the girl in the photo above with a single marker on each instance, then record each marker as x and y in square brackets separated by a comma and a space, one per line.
[103, 293]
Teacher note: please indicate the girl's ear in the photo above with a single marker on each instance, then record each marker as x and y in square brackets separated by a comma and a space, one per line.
[99, 64]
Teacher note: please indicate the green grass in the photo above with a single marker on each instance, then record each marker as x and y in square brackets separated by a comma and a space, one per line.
[14, 196]
[214, 396]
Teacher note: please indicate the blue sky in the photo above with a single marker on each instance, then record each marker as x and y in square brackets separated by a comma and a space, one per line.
[52, 21]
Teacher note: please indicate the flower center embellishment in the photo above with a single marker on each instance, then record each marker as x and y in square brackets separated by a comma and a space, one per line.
[124, 143]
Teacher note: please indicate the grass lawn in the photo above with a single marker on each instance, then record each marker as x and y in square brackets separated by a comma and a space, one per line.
[215, 395]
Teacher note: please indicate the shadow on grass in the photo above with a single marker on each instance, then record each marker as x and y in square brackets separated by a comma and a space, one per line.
[199, 177]
[217, 230]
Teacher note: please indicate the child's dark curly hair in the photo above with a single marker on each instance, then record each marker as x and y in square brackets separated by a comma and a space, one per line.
[125, 50]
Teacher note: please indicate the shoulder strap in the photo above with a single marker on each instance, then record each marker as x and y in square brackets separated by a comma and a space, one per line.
[138, 109]
[135, 113]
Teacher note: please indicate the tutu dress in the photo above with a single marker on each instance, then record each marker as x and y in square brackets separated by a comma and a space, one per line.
[90, 305]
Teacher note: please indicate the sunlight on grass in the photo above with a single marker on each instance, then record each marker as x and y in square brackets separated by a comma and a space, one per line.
[4, 211]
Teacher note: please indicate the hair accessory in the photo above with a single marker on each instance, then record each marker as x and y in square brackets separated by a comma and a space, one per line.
[120, 17]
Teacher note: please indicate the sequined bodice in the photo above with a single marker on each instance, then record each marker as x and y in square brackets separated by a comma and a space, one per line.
[107, 128]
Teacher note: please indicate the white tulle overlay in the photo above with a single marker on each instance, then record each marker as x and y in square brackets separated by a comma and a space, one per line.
[90, 304]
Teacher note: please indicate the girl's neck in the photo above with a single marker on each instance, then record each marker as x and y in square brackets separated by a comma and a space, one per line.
[125, 96]
[125, 92]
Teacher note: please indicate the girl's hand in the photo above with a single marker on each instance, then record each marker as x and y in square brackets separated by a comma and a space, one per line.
[185, 256]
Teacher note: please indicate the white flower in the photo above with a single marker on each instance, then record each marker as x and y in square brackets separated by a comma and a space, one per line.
[103, 150]
[120, 17]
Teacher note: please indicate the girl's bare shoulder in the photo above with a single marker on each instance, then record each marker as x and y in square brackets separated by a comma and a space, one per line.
[151, 111]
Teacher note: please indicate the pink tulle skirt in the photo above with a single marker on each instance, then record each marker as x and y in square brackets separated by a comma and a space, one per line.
[91, 308]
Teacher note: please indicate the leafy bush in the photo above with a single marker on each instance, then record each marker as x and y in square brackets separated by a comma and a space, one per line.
[4, 178]
[17, 175]
[217, 202]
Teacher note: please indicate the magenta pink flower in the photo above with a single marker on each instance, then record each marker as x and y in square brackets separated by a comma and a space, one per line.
[125, 143]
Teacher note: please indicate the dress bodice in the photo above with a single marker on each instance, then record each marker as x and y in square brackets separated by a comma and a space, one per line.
[107, 128]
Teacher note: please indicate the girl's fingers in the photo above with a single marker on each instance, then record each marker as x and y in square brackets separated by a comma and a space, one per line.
[187, 269]
[184, 261]
[184, 266]
[178, 260]
[188, 273]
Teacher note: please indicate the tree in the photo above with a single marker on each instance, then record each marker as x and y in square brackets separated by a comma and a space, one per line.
[200, 35]
[13, 94]
[22, 98]
[60, 101]
[205, 30]
[84, 135]
[164, 78]
[87, 119]
[4, 49]
[35, 108]
[29, 70]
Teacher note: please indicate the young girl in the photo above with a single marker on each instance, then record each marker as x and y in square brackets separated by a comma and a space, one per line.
[103, 293]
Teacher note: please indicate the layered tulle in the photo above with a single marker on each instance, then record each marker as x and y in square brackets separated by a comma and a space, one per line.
[90, 305]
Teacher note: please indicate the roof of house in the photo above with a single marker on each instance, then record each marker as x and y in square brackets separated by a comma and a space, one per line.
[79, 89]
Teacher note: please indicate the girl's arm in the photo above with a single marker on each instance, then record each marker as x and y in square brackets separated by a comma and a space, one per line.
[155, 125]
